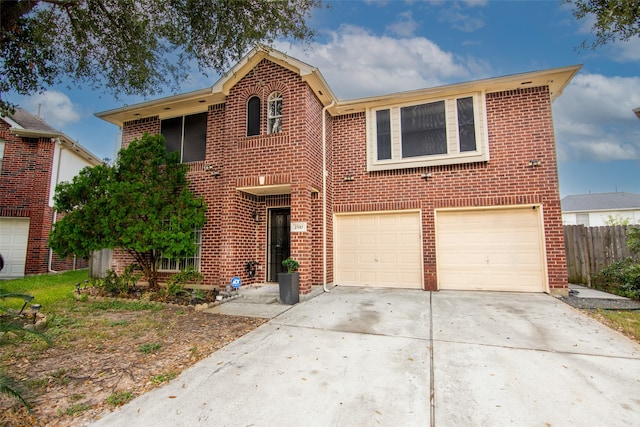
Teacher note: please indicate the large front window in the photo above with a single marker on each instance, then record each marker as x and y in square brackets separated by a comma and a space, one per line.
[187, 135]
[444, 131]
[179, 264]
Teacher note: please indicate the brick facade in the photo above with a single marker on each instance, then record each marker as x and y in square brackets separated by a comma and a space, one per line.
[25, 180]
[520, 128]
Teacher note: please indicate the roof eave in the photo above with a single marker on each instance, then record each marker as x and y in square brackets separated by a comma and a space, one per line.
[194, 101]
[64, 139]
[557, 79]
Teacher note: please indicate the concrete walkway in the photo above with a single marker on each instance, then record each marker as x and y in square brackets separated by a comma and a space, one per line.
[357, 357]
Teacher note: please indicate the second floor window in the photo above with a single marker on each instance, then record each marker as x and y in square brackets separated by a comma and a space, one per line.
[186, 135]
[1, 152]
[274, 113]
[253, 116]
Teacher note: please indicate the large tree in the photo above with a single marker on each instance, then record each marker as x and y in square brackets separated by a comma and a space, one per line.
[612, 19]
[141, 205]
[134, 47]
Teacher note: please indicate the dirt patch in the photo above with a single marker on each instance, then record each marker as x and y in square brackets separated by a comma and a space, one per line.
[104, 357]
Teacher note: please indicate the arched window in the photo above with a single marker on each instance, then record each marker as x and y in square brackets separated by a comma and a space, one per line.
[253, 116]
[274, 113]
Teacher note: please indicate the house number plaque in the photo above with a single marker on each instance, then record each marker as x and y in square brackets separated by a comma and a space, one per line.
[298, 227]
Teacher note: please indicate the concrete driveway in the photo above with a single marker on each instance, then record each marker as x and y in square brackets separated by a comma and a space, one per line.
[359, 357]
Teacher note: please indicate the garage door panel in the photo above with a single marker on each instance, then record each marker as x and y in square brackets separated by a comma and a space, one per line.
[388, 248]
[14, 238]
[498, 249]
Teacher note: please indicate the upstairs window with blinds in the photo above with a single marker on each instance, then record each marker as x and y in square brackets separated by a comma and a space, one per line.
[187, 135]
[434, 132]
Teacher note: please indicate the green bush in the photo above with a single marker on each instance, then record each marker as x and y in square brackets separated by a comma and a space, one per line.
[622, 278]
[633, 239]
[113, 284]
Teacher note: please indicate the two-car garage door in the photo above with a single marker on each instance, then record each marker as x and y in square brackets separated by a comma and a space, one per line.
[491, 249]
[476, 249]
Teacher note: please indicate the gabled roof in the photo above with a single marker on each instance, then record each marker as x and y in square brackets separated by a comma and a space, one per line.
[197, 101]
[25, 124]
[600, 202]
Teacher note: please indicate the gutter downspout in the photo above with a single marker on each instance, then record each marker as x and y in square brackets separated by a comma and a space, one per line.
[55, 213]
[324, 196]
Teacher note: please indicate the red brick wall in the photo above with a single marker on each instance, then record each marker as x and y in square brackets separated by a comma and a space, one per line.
[232, 237]
[24, 192]
[520, 129]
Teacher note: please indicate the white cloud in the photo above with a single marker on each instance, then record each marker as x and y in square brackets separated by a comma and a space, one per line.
[465, 22]
[55, 108]
[628, 51]
[404, 25]
[357, 63]
[594, 119]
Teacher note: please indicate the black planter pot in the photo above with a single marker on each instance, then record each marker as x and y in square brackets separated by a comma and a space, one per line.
[289, 284]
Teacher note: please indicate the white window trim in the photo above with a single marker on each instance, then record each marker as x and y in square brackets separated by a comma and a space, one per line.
[453, 155]
[194, 261]
[274, 97]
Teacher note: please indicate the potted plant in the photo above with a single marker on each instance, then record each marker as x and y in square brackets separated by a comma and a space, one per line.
[289, 282]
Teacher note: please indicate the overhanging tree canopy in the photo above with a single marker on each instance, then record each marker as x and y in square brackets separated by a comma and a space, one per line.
[134, 47]
[612, 19]
[141, 205]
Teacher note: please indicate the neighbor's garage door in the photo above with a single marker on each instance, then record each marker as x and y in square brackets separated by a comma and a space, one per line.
[378, 249]
[14, 235]
[491, 249]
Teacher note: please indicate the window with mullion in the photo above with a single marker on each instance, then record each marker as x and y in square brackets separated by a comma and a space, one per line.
[187, 135]
[179, 264]
[274, 113]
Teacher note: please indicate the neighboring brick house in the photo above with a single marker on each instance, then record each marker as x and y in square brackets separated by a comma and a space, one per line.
[453, 187]
[34, 158]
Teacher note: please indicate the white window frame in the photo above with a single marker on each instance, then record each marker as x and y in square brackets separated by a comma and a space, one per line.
[174, 265]
[274, 121]
[453, 154]
[1, 152]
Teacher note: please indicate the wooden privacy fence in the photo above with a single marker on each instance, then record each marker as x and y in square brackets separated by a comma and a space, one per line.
[99, 263]
[590, 249]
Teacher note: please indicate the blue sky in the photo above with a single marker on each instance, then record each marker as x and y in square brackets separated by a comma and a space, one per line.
[366, 48]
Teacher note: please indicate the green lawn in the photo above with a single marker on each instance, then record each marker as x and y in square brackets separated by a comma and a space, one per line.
[48, 289]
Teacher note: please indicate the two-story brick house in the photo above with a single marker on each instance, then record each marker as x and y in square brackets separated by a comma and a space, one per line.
[453, 187]
[34, 158]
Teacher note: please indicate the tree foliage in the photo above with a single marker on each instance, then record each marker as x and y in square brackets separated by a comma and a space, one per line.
[613, 19]
[134, 47]
[141, 205]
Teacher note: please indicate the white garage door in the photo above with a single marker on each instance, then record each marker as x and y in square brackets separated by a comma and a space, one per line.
[491, 249]
[379, 249]
[14, 235]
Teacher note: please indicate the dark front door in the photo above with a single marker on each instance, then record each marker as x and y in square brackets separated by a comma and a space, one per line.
[279, 229]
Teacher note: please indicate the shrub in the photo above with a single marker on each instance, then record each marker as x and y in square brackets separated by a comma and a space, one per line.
[622, 278]
[113, 284]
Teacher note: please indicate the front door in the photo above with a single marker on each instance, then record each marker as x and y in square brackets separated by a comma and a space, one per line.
[279, 241]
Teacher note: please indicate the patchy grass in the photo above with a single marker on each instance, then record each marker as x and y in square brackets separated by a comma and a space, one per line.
[163, 378]
[119, 398]
[94, 350]
[626, 322]
[148, 348]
